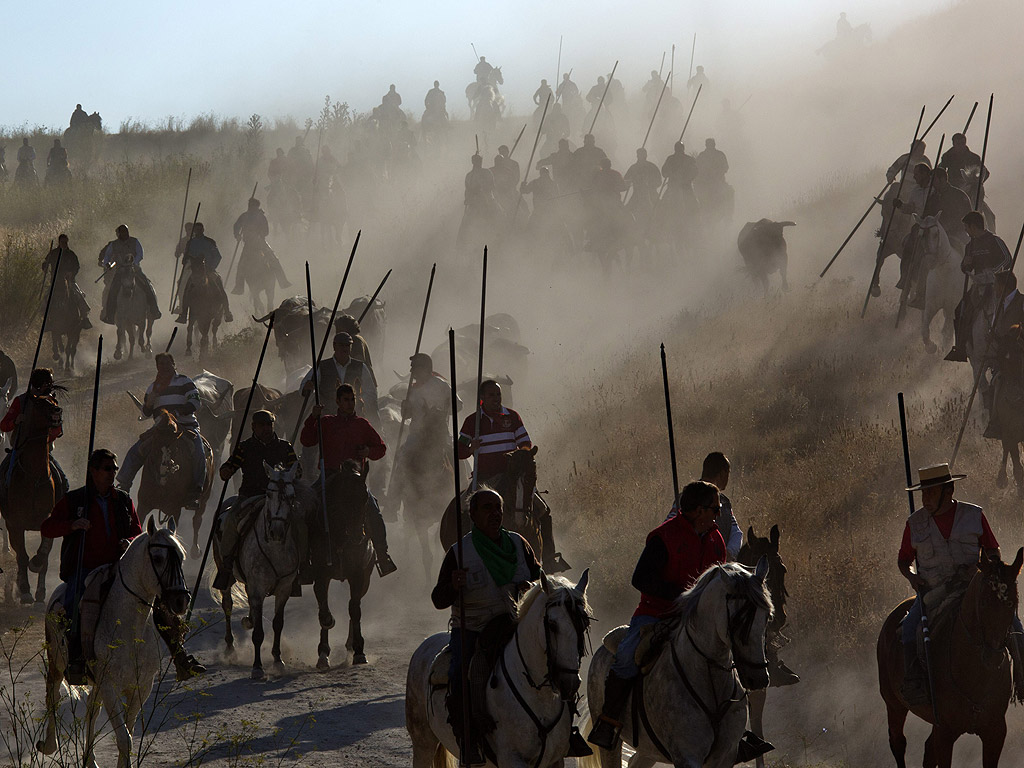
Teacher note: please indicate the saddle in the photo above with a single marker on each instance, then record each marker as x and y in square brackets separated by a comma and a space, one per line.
[653, 640]
[941, 605]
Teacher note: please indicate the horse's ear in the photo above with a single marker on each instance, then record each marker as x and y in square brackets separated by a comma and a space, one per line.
[171, 525]
[533, 451]
[761, 571]
[1018, 562]
[774, 535]
[545, 583]
[751, 536]
[581, 585]
[267, 468]
[150, 525]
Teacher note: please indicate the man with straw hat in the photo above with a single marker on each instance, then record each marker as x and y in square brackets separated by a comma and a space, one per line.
[942, 542]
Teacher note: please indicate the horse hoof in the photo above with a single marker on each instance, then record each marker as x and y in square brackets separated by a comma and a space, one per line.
[1002, 481]
[26, 598]
[195, 553]
[322, 664]
[229, 652]
[117, 354]
[148, 353]
[930, 348]
[247, 622]
[278, 667]
[36, 563]
[876, 290]
[258, 674]
[359, 658]
[40, 597]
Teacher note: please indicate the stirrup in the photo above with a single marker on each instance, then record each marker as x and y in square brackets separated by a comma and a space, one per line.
[751, 747]
[385, 565]
[956, 355]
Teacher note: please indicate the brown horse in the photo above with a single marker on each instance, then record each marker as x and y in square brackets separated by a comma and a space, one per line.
[516, 486]
[207, 308]
[33, 490]
[167, 476]
[64, 325]
[970, 669]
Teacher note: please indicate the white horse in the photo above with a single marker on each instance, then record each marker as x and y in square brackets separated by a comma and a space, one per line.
[940, 271]
[532, 693]
[267, 564]
[128, 650]
[693, 710]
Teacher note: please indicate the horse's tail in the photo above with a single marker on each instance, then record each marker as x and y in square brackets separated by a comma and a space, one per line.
[444, 759]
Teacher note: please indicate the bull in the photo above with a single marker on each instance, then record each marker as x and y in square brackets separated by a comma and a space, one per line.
[763, 248]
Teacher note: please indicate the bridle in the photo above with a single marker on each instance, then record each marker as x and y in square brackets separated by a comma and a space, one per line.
[176, 573]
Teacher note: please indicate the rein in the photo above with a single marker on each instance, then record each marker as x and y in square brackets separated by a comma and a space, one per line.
[267, 520]
[159, 576]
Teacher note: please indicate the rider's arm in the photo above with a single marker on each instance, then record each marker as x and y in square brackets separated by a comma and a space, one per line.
[58, 523]
[234, 462]
[906, 559]
[138, 251]
[444, 595]
[374, 442]
[647, 575]
[135, 526]
[11, 417]
[532, 563]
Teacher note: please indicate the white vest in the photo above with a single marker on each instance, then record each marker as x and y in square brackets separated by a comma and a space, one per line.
[484, 599]
[939, 558]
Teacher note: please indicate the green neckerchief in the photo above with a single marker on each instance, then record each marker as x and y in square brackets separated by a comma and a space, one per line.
[500, 558]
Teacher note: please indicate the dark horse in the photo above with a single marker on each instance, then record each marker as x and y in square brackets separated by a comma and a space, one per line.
[1006, 423]
[65, 325]
[753, 549]
[207, 309]
[516, 486]
[33, 490]
[343, 553]
[167, 476]
[971, 672]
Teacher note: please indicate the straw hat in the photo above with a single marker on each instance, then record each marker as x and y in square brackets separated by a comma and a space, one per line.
[929, 477]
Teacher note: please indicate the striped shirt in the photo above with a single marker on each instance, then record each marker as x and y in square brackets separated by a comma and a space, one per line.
[180, 397]
[500, 433]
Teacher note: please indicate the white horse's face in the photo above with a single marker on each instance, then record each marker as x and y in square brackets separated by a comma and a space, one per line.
[565, 625]
[167, 555]
[280, 500]
[746, 623]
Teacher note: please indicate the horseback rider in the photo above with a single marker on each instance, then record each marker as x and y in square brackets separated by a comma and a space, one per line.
[200, 248]
[108, 522]
[57, 166]
[1007, 344]
[481, 209]
[176, 394]
[252, 229]
[652, 88]
[958, 160]
[596, 92]
[542, 94]
[435, 102]
[915, 205]
[430, 396]
[78, 117]
[347, 436]
[498, 565]
[679, 170]
[252, 456]
[69, 266]
[645, 178]
[360, 349]
[507, 175]
[561, 164]
[483, 70]
[121, 252]
[344, 368]
[843, 27]
[40, 384]
[917, 155]
[699, 79]
[501, 432]
[712, 165]
[950, 205]
[985, 254]
[940, 549]
[392, 99]
[26, 159]
[567, 92]
[677, 552]
[587, 161]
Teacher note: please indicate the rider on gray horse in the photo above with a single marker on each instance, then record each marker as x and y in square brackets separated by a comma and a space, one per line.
[252, 456]
[69, 267]
[120, 252]
[198, 248]
[177, 394]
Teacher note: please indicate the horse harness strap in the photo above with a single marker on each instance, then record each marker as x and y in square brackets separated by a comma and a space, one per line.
[543, 731]
[640, 708]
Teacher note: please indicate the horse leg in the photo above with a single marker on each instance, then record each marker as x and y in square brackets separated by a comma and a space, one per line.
[42, 557]
[755, 710]
[897, 717]
[227, 604]
[320, 588]
[280, 601]
[120, 343]
[92, 708]
[197, 521]
[1001, 480]
[21, 556]
[1018, 471]
[256, 615]
[118, 715]
[54, 676]
[188, 336]
[938, 749]
[355, 618]
[992, 743]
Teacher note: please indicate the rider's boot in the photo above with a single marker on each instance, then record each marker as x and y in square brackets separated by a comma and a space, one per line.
[278, 270]
[171, 629]
[83, 307]
[225, 573]
[915, 678]
[228, 317]
[378, 535]
[182, 318]
[479, 674]
[553, 561]
[471, 754]
[958, 354]
[605, 733]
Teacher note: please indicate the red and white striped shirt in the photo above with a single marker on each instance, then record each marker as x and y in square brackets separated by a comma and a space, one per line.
[499, 433]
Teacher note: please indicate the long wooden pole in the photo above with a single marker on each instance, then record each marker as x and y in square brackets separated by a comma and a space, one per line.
[888, 226]
[529, 165]
[408, 390]
[984, 153]
[997, 315]
[373, 298]
[238, 241]
[181, 231]
[690, 113]
[516, 142]
[671, 429]
[655, 114]
[46, 311]
[693, 50]
[479, 375]
[969, 118]
[464, 668]
[603, 94]
[323, 343]
[319, 421]
[558, 68]
[224, 488]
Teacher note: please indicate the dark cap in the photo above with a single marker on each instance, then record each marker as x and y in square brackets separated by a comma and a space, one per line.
[263, 417]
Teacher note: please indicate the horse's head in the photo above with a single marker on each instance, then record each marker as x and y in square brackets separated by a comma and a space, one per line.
[42, 414]
[497, 76]
[280, 500]
[555, 616]
[753, 549]
[993, 593]
[523, 464]
[726, 613]
[155, 559]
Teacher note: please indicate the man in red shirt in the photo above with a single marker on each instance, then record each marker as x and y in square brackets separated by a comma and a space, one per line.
[677, 552]
[40, 384]
[941, 545]
[347, 436]
[106, 518]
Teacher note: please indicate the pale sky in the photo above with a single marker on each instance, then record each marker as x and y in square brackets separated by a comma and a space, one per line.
[151, 60]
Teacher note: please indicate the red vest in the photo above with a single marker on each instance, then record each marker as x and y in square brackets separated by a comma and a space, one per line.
[689, 555]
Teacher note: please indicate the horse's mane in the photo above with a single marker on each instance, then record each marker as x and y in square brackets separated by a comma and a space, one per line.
[737, 578]
[578, 603]
[166, 414]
